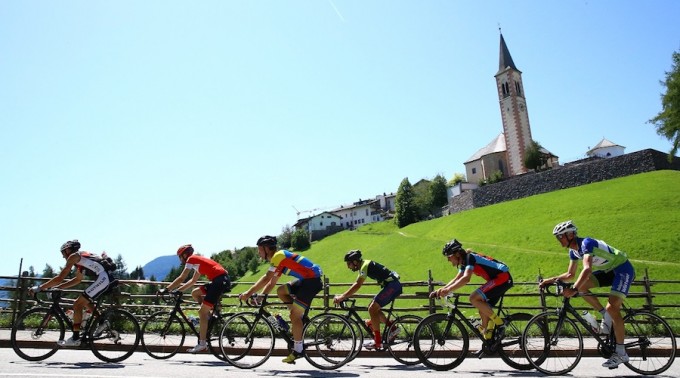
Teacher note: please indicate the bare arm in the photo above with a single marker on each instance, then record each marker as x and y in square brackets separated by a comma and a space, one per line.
[178, 281]
[351, 291]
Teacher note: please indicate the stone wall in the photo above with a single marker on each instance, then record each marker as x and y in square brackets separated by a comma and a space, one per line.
[567, 176]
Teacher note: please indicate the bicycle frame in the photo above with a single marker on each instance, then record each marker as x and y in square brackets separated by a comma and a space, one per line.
[491, 345]
[352, 313]
[177, 310]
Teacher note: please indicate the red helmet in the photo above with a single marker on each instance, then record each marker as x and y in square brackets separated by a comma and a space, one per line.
[185, 249]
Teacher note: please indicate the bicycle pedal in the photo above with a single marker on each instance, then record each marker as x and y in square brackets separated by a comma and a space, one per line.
[479, 354]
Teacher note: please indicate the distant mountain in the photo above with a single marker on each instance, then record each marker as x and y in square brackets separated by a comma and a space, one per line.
[160, 267]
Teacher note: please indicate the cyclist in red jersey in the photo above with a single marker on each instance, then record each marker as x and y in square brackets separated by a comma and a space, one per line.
[206, 295]
[298, 293]
[82, 261]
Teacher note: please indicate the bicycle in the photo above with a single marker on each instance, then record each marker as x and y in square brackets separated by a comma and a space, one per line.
[442, 342]
[247, 339]
[111, 334]
[164, 332]
[397, 338]
[554, 345]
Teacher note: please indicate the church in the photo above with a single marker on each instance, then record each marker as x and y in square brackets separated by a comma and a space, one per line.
[506, 152]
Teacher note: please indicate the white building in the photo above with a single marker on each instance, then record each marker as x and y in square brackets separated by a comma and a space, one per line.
[606, 149]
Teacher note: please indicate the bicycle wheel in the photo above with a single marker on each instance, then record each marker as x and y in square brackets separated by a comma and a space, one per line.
[114, 335]
[551, 345]
[246, 341]
[399, 339]
[214, 329]
[650, 343]
[441, 342]
[359, 336]
[329, 341]
[510, 349]
[163, 335]
[35, 334]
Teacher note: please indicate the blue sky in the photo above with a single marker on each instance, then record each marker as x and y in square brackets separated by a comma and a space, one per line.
[139, 126]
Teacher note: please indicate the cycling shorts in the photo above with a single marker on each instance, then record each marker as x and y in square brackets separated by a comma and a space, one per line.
[388, 293]
[304, 291]
[493, 289]
[620, 279]
[214, 289]
[98, 287]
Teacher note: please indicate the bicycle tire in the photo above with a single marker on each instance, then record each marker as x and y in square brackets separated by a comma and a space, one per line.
[163, 335]
[401, 348]
[441, 342]
[553, 347]
[329, 341]
[650, 343]
[114, 335]
[246, 340]
[511, 350]
[213, 337]
[358, 334]
[31, 340]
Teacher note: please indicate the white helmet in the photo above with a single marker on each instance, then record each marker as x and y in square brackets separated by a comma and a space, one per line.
[564, 227]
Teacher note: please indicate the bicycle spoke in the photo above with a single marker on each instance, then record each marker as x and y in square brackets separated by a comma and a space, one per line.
[649, 342]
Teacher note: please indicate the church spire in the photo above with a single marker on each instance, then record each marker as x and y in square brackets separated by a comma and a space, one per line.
[505, 60]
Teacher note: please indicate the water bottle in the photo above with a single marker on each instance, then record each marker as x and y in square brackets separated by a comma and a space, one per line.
[194, 320]
[282, 323]
[591, 321]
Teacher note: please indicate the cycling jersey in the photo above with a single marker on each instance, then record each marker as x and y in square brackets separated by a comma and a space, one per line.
[205, 266]
[292, 264]
[483, 266]
[376, 271]
[605, 257]
[91, 262]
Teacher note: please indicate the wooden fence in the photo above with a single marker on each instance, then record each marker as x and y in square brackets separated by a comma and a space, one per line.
[658, 296]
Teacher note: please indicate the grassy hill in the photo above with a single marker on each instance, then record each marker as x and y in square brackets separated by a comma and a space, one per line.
[638, 214]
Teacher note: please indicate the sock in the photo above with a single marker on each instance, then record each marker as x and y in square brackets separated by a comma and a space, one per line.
[603, 312]
[498, 321]
[202, 342]
[76, 335]
[377, 338]
[297, 346]
[620, 350]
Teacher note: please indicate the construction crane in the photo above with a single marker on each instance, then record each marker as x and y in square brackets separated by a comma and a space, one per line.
[298, 212]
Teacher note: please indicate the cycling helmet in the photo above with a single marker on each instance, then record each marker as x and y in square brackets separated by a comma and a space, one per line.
[185, 249]
[72, 245]
[353, 255]
[452, 247]
[267, 240]
[564, 227]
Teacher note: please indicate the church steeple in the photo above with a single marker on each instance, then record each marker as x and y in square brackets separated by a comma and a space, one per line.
[514, 111]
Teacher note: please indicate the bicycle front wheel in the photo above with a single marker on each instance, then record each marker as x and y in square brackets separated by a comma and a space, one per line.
[649, 342]
[214, 329]
[552, 345]
[399, 339]
[114, 335]
[163, 335]
[246, 341]
[441, 342]
[35, 334]
[329, 341]
[510, 349]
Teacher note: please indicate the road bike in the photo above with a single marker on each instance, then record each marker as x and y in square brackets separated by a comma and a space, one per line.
[164, 332]
[247, 339]
[111, 332]
[442, 340]
[554, 345]
[397, 337]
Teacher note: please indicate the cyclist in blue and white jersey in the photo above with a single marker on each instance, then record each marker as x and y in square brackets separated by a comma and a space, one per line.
[603, 265]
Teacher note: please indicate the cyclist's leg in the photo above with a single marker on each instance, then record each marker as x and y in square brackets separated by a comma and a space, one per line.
[387, 294]
[484, 298]
[623, 278]
[304, 291]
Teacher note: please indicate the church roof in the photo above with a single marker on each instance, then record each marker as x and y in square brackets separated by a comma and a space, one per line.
[604, 143]
[505, 60]
[496, 145]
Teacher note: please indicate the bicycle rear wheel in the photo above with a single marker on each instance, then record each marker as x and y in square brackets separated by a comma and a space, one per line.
[552, 346]
[649, 342]
[35, 334]
[214, 329]
[399, 339]
[114, 335]
[246, 341]
[510, 349]
[329, 341]
[441, 342]
[163, 335]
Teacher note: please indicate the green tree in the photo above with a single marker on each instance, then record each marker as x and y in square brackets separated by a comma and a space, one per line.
[457, 178]
[121, 268]
[422, 199]
[300, 240]
[284, 240]
[137, 273]
[534, 158]
[48, 272]
[438, 195]
[667, 122]
[405, 208]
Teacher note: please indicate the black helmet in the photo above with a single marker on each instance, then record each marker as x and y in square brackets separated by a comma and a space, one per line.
[71, 244]
[452, 247]
[267, 240]
[353, 255]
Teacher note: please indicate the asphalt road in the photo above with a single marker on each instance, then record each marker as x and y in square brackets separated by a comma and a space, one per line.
[82, 363]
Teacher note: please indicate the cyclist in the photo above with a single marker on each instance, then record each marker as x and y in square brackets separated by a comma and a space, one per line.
[297, 293]
[603, 265]
[207, 295]
[495, 273]
[101, 266]
[391, 289]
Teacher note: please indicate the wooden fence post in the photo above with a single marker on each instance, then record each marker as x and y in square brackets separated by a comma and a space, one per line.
[648, 291]
[430, 288]
[326, 293]
[541, 293]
